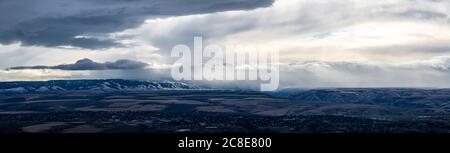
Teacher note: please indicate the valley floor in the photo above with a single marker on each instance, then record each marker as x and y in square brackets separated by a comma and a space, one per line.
[157, 122]
[321, 111]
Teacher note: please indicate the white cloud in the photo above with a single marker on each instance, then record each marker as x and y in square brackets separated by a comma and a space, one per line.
[343, 29]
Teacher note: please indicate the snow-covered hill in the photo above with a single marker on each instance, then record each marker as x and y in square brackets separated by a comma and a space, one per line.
[91, 85]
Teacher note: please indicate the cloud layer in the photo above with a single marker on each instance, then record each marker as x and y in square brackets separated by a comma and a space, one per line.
[312, 74]
[323, 43]
[336, 27]
[86, 23]
[87, 64]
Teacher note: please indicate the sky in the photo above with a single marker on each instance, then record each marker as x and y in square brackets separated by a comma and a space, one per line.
[323, 43]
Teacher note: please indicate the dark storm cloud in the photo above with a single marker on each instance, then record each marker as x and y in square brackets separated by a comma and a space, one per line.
[87, 64]
[57, 22]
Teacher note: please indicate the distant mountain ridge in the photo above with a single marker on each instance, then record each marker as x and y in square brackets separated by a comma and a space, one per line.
[405, 97]
[91, 85]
